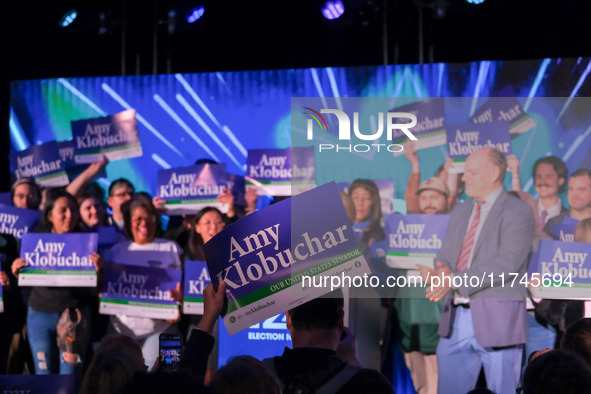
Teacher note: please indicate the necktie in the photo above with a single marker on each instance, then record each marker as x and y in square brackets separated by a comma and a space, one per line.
[543, 217]
[469, 240]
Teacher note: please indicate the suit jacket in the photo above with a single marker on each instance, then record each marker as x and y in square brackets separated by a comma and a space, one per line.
[503, 246]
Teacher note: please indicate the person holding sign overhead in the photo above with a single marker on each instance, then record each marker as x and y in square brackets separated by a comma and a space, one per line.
[482, 324]
[46, 304]
[145, 250]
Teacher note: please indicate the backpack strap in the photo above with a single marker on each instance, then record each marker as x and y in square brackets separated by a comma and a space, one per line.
[339, 380]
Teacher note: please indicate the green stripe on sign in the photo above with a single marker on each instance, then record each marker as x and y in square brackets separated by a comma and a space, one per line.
[195, 201]
[411, 254]
[138, 303]
[459, 160]
[50, 176]
[56, 272]
[112, 149]
[269, 182]
[578, 285]
[293, 279]
[518, 121]
[193, 299]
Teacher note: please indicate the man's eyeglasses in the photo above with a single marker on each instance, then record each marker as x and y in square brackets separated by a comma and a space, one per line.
[123, 194]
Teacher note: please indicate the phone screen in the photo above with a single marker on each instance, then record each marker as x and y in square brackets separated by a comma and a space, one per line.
[170, 350]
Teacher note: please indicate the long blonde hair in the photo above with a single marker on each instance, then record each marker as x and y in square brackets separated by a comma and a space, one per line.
[583, 231]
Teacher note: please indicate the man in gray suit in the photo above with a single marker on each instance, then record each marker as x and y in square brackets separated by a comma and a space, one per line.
[484, 323]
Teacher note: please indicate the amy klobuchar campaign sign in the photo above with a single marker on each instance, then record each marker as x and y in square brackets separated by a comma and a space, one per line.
[58, 260]
[187, 190]
[414, 239]
[564, 270]
[196, 278]
[41, 162]
[139, 291]
[275, 171]
[277, 258]
[464, 139]
[115, 136]
[504, 109]
[17, 221]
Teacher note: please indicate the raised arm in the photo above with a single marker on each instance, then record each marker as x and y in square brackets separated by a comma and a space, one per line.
[414, 179]
[86, 176]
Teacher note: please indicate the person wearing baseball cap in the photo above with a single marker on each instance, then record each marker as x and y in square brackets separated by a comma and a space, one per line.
[433, 196]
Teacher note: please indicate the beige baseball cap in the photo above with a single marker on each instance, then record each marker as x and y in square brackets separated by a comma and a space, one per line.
[436, 184]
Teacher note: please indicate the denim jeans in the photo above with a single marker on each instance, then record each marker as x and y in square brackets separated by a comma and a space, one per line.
[42, 331]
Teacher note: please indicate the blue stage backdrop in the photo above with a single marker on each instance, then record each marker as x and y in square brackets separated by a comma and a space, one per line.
[219, 115]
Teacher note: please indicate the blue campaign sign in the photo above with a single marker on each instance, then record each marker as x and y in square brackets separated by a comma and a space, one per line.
[269, 171]
[564, 231]
[237, 184]
[464, 139]
[58, 259]
[139, 291]
[115, 136]
[414, 239]
[262, 340]
[5, 198]
[73, 169]
[37, 384]
[504, 109]
[108, 236]
[265, 256]
[16, 221]
[429, 129]
[565, 267]
[187, 190]
[196, 278]
[41, 162]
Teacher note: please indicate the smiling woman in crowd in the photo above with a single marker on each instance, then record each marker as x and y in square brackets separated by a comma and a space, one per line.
[206, 224]
[46, 304]
[144, 249]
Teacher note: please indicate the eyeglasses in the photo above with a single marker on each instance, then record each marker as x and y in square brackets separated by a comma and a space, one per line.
[123, 194]
[23, 195]
[208, 223]
[147, 220]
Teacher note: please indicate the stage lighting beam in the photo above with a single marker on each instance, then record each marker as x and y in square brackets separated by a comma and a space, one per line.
[333, 9]
[68, 18]
[195, 14]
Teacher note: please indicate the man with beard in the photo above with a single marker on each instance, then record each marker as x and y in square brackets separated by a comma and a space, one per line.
[418, 318]
[561, 313]
[579, 198]
[550, 177]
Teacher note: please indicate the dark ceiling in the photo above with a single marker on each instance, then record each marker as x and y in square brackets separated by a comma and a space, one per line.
[270, 34]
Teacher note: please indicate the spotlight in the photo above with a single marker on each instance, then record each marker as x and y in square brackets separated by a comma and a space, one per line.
[475, 1]
[333, 9]
[195, 14]
[68, 18]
